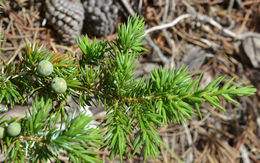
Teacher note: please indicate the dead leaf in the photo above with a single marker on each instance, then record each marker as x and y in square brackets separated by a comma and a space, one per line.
[251, 46]
[194, 57]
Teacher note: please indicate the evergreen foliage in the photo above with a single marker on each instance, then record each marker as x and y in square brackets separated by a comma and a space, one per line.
[106, 71]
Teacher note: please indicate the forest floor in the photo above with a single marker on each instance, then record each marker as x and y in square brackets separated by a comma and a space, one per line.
[212, 37]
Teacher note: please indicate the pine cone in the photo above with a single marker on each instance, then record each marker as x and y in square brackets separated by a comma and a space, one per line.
[100, 17]
[66, 17]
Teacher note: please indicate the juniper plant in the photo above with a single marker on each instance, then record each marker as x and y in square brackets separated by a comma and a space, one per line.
[135, 109]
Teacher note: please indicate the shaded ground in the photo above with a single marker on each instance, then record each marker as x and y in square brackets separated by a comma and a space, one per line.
[233, 136]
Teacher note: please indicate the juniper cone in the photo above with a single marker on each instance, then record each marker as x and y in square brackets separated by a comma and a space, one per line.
[2, 132]
[14, 129]
[66, 17]
[59, 85]
[100, 17]
[44, 68]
